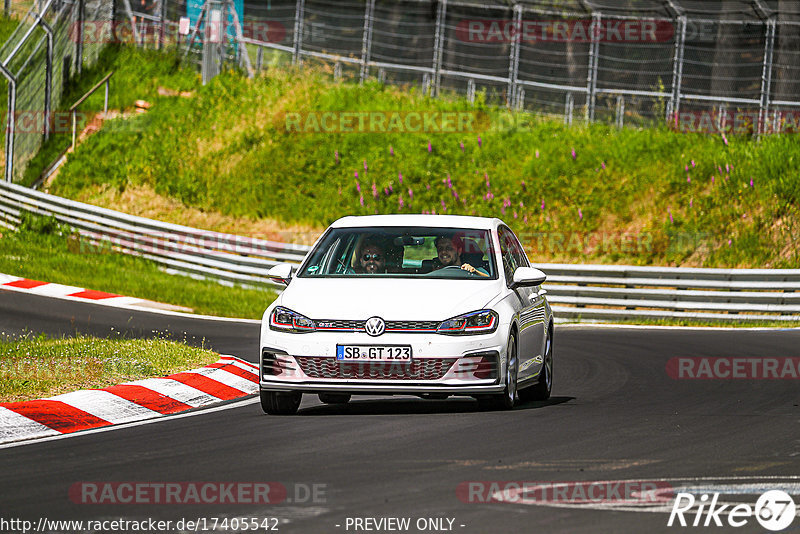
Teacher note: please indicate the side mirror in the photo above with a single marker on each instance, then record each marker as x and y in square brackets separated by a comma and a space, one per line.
[281, 273]
[527, 276]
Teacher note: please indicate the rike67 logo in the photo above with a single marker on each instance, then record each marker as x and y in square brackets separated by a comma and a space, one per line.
[774, 510]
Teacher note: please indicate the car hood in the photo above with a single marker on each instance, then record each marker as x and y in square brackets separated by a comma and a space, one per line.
[391, 299]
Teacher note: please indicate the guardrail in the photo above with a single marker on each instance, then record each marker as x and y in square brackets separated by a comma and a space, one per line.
[198, 253]
[584, 292]
[625, 292]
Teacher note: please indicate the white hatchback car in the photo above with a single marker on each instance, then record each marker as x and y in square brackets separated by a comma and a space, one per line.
[426, 305]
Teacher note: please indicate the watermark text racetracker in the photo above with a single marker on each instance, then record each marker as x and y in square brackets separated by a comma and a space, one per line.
[733, 368]
[386, 122]
[204, 493]
[565, 492]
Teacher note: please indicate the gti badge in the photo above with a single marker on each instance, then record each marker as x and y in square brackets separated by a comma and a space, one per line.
[375, 326]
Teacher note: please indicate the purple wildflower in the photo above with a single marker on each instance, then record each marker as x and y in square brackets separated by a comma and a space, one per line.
[365, 165]
[400, 177]
[580, 214]
[573, 153]
[430, 148]
[410, 194]
[336, 155]
[693, 164]
[400, 201]
[391, 150]
[480, 142]
[361, 199]
[751, 182]
[603, 164]
[374, 190]
[461, 144]
[537, 153]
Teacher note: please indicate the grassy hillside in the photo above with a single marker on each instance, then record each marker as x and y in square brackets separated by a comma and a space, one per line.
[577, 194]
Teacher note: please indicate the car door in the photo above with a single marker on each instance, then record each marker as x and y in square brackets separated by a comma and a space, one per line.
[531, 307]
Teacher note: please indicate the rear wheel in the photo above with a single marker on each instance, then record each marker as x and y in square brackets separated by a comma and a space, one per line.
[334, 398]
[508, 398]
[541, 391]
[280, 402]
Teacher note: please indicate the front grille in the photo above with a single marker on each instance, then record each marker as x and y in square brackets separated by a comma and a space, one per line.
[391, 326]
[427, 369]
[412, 325]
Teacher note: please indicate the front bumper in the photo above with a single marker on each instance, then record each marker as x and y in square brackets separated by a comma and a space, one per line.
[441, 364]
[319, 386]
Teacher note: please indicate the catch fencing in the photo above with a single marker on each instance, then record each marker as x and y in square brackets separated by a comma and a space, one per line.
[727, 66]
[730, 66]
[37, 62]
[576, 292]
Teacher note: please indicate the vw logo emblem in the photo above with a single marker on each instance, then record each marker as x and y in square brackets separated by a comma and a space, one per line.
[375, 326]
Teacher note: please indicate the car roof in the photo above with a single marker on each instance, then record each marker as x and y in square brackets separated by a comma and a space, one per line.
[434, 221]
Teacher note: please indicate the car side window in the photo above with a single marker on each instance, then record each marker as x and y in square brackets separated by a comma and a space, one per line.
[510, 259]
[520, 253]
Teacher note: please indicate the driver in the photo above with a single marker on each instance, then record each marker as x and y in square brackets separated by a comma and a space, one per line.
[448, 252]
[372, 258]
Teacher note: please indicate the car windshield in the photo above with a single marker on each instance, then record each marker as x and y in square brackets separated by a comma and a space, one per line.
[403, 252]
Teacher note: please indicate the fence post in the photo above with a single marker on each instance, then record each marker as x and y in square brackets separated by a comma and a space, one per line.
[299, 14]
[471, 91]
[620, 111]
[677, 71]
[366, 40]
[162, 16]
[48, 77]
[438, 46]
[79, 36]
[12, 112]
[513, 58]
[591, 77]
[766, 77]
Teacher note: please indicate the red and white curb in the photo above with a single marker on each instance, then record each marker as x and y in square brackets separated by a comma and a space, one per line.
[229, 378]
[16, 283]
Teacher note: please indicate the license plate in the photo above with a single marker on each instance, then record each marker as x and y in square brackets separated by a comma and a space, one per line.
[374, 353]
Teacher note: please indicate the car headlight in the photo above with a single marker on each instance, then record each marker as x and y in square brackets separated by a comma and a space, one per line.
[477, 322]
[286, 320]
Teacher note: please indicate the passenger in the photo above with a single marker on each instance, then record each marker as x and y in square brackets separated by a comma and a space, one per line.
[449, 250]
[371, 259]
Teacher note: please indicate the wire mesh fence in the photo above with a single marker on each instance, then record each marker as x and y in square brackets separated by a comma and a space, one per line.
[724, 66]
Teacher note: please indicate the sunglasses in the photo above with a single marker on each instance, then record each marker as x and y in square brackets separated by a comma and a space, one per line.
[371, 257]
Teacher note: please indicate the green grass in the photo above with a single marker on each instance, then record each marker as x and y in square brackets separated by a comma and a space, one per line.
[623, 198]
[35, 366]
[40, 253]
[138, 75]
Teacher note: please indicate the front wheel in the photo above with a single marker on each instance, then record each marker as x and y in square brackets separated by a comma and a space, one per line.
[280, 402]
[541, 390]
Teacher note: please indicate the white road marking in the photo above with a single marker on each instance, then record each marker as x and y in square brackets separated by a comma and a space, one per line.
[15, 426]
[106, 406]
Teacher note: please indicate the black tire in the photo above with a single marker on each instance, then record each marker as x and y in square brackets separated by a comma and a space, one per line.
[541, 390]
[508, 398]
[334, 398]
[280, 402]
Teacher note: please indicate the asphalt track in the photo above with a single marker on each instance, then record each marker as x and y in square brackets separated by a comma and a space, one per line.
[615, 415]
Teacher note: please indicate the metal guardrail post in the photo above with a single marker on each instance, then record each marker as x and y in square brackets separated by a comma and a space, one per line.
[438, 46]
[591, 77]
[569, 105]
[299, 15]
[513, 57]
[366, 40]
[677, 71]
[766, 77]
